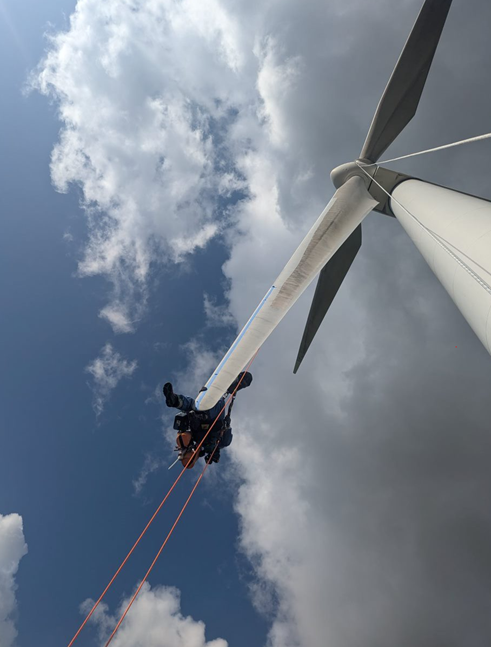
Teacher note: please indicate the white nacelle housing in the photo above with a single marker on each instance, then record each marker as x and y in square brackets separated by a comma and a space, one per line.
[453, 233]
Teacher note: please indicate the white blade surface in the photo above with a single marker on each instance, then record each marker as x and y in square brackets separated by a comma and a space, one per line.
[348, 207]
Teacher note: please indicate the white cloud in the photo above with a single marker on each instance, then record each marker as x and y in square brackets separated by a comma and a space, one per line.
[155, 620]
[275, 80]
[137, 90]
[108, 370]
[117, 315]
[12, 548]
[150, 465]
[343, 508]
[189, 242]
[217, 316]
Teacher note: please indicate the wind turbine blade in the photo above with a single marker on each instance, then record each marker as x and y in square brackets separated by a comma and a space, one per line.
[401, 96]
[330, 279]
[344, 213]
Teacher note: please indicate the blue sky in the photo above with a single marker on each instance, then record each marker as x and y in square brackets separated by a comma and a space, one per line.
[69, 477]
[162, 169]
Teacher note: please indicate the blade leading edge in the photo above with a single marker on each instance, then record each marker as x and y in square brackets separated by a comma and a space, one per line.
[401, 96]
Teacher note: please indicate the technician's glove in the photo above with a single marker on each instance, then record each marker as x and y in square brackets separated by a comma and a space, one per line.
[213, 458]
[242, 381]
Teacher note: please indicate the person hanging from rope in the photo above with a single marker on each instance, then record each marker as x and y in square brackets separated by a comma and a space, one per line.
[193, 425]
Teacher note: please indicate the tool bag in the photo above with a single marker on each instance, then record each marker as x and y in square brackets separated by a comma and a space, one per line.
[186, 446]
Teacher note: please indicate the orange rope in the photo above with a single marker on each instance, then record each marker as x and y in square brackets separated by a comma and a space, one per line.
[155, 514]
[160, 550]
[125, 560]
[177, 520]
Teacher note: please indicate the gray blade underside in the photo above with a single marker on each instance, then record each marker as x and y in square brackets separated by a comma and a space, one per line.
[330, 279]
[401, 96]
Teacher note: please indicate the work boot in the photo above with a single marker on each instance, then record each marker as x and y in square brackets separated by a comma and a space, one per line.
[171, 399]
[246, 381]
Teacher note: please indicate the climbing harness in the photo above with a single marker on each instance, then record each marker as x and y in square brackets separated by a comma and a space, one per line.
[190, 427]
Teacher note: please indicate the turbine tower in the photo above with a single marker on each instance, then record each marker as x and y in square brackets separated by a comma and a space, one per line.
[452, 230]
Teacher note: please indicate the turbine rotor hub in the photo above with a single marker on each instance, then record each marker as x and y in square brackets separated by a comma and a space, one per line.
[343, 173]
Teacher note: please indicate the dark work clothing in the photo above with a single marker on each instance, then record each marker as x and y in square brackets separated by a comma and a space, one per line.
[186, 405]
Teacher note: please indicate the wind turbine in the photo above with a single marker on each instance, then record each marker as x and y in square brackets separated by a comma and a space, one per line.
[452, 230]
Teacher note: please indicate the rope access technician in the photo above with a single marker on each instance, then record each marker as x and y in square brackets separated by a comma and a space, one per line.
[193, 425]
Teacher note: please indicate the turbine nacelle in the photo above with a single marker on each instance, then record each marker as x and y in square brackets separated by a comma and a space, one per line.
[379, 181]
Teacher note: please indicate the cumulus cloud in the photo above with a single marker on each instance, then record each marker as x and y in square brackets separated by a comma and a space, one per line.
[364, 481]
[217, 315]
[150, 465]
[12, 549]
[142, 113]
[155, 620]
[107, 371]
